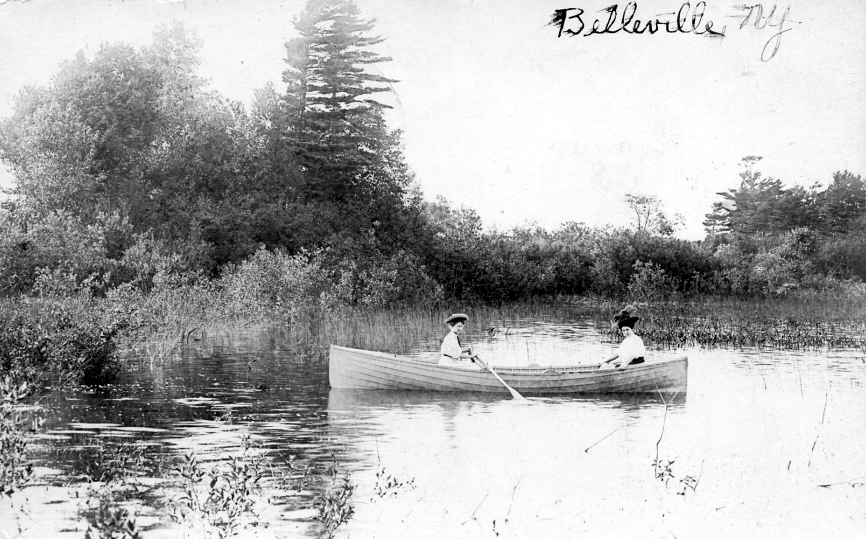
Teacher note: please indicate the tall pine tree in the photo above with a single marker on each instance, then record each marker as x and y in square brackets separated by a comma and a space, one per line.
[334, 124]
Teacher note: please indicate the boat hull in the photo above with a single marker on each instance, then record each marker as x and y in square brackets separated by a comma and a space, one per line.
[350, 368]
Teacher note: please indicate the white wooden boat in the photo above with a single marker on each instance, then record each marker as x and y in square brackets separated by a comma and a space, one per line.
[350, 368]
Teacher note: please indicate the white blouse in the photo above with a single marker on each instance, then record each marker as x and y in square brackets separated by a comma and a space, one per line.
[631, 348]
[450, 348]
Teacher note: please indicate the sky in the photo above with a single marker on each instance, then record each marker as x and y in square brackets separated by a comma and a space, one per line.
[502, 115]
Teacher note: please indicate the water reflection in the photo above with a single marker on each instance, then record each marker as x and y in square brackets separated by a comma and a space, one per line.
[761, 429]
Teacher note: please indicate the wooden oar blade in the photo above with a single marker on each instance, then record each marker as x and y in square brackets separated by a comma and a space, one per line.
[514, 393]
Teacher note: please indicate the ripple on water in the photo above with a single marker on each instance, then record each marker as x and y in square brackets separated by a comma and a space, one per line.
[761, 428]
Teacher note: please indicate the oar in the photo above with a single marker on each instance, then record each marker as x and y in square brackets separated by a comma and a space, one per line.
[510, 389]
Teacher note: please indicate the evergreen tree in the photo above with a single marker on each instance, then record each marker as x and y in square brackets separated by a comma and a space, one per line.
[334, 125]
[842, 203]
[761, 205]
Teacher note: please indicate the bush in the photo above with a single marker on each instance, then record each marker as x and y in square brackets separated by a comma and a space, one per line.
[649, 282]
[69, 338]
[843, 256]
[58, 241]
[15, 430]
[379, 282]
[274, 284]
[148, 257]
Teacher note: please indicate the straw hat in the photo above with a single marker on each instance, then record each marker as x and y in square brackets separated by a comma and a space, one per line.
[454, 318]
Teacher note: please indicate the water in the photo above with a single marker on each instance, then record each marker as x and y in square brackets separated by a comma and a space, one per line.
[759, 431]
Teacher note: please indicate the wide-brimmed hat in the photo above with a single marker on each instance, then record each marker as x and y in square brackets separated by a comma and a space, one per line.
[629, 308]
[454, 318]
[628, 322]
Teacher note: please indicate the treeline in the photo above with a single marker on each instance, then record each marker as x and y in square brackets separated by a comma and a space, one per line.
[129, 172]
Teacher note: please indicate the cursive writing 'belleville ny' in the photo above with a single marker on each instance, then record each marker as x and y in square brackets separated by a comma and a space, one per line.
[573, 24]
[570, 22]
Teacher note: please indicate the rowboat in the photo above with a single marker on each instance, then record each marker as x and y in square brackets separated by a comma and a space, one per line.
[351, 368]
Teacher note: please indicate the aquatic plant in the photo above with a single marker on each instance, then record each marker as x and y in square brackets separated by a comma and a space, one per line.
[663, 470]
[334, 506]
[807, 323]
[688, 483]
[297, 477]
[388, 485]
[116, 463]
[222, 500]
[16, 427]
[112, 521]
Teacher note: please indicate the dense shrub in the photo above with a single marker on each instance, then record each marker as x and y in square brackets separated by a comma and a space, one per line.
[649, 282]
[274, 285]
[58, 241]
[67, 336]
[843, 255]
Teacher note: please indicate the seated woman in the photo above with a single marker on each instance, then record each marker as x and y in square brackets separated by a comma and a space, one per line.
[453, 353]
[631, 350]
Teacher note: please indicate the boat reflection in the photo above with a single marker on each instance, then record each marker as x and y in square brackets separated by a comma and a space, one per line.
[352, 399]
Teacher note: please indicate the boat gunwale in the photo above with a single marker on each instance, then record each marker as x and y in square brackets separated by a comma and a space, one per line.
[558, 370]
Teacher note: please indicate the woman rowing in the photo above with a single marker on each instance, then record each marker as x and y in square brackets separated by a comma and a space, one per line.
[631, 350]
[453, 353]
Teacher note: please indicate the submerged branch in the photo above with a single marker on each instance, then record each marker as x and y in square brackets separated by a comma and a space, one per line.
[828, 485]
[608, 436]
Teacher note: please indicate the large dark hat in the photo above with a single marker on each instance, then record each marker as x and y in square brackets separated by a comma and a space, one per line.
[454, 318]
[628, 322]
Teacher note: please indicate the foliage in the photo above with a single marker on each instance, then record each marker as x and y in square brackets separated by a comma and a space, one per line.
[66, 335]
[649, 282]
[844, 255]
[334, 506]
[388, 486]
[274, 286]
[336, 127]
[184, 209]
[222, 500]
[762, 206]
[843, 203]
[663, 470]
[798, 320]
[16, 427]
[650, 215]
[364, 276]
[115, 464]
[113, 522]
[59, 241]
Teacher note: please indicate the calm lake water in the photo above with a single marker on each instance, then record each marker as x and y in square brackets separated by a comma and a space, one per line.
[774, 440]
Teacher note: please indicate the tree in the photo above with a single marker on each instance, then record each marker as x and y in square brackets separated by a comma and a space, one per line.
[764, 206]
[842, 203]
[716, 221]
[333, 122]
[761, 205]
[90, 141]
[650, 216]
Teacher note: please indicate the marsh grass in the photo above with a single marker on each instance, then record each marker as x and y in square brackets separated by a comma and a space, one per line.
[402, 330]
[786, 323]
[810, 322]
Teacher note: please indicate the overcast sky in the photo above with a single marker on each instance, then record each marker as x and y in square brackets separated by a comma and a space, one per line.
[503, 116]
